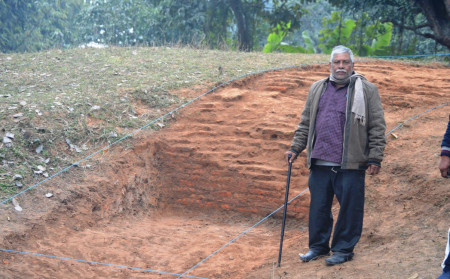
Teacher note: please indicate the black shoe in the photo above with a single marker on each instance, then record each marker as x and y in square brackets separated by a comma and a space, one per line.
[312, 255]
[338, 258]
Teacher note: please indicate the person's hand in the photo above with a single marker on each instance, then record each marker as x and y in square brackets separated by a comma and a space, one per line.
[373, 169]
[444, 166]
[293, 156]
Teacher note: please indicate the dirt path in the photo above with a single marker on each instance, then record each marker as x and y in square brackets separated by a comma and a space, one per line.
[186, 191]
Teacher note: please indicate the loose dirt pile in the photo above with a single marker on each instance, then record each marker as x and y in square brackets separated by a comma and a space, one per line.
[180, 194]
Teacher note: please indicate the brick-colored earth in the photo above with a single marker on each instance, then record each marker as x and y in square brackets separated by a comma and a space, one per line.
[167, 200]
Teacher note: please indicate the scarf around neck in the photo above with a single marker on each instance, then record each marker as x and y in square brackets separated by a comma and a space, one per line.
[359, 105]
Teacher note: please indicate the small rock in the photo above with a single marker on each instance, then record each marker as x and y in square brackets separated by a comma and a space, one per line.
[16, 205]
[19, 184]
[23, 103]
[161, 125]
[77, 149]
[49, 195]
[17, 177]
[41, 168]
[9, 135]
[18, 115]
[7, 140]
[44, 160]
[39, 149]
[95, 108]
[113, 135]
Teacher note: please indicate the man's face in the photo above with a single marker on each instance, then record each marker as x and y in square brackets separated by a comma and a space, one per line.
[341, 67]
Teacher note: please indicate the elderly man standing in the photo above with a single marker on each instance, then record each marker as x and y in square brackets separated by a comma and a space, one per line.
[342, 127]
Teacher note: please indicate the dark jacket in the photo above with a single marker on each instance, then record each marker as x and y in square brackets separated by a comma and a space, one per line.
[363, 144]
[446, 141]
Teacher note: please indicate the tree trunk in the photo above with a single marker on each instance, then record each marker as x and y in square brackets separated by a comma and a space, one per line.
[437, 13]
[400, 36]
[244, 36]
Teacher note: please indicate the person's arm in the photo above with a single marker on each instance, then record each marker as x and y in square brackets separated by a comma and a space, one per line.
[301, 133]
[376, 130]
[444, 165]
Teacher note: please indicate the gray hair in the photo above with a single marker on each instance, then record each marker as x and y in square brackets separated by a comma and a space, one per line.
[341, 49]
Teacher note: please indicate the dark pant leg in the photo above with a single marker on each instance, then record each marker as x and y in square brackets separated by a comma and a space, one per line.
[320, 217]
[446, 263]
[349, 190]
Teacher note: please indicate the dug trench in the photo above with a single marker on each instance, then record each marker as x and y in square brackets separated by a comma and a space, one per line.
[179, 194]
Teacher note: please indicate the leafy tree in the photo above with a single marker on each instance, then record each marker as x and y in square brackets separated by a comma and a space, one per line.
[120, 22]
[363, 38]
[276, 37]
[336, 31]
[437, 13]
[308, 42]
[243, 17]
[216, 26]
[36, 25]
[274, 41]
[424, 18]
[181, 21]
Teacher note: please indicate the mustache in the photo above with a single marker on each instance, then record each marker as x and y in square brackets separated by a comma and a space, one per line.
[341, 70]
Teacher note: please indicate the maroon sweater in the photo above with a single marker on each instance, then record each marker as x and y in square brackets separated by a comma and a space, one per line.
[330, 122]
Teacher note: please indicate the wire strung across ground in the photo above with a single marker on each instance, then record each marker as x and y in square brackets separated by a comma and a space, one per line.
[99, 263]
[170, 113]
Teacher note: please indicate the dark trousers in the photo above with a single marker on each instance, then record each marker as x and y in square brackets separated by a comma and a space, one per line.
[348, 186]
[446, 263]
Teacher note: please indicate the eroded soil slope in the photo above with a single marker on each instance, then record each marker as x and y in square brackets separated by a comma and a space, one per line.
[188, 190]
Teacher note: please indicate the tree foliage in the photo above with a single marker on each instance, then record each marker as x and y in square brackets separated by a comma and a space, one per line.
[364, 38]
[424, 18]
[37, 25]
[235, 24]
[275, 38]
[130, 22]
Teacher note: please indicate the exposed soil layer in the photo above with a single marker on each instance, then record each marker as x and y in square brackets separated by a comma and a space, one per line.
[175, 196]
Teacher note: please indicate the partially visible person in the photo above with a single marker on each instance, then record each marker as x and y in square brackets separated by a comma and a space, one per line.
[446, 263]
[444, 167]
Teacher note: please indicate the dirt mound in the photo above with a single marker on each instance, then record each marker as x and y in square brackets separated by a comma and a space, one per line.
[161, 207]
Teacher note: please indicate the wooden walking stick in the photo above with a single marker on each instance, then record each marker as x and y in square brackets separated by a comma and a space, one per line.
[285, 208]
